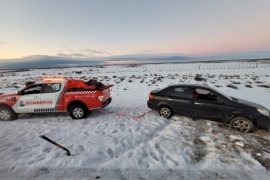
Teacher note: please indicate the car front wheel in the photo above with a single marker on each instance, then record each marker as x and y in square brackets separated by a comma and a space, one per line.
[165, 112]
[78, 112]
[242, 124]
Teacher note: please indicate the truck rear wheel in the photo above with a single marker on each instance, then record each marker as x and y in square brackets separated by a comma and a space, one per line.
[7, 114]
[78, 112]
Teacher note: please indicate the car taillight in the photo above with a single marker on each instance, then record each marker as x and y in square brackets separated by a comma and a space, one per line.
[150, 96]
[101, 98]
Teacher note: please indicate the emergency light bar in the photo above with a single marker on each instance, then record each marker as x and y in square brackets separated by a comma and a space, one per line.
[53, 79]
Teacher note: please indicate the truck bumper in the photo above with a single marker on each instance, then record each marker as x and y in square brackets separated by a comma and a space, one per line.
[106, 103]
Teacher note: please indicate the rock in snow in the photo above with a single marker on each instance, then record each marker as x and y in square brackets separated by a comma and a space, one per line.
[239, 143]
[236, 137]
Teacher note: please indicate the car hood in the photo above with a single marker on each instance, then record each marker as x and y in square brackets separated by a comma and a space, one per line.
[245, 102]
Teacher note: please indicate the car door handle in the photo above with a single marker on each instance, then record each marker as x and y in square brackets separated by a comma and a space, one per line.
[35, 96]
[197, 103]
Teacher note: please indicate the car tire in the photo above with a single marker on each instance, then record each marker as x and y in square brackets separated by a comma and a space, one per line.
[165, 111]
[242, 124]
[7, 114]
[78, 112]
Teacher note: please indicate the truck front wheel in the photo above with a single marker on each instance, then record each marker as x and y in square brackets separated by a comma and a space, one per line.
[7, 114]
[78, 112]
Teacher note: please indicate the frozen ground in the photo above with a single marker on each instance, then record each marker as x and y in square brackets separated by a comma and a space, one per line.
[109, 146]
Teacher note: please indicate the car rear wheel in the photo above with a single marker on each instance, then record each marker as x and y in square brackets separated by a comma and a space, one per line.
[242, 124]
[78, 112]
[7, 114]
[165, 112]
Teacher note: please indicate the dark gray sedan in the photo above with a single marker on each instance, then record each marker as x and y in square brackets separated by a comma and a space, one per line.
[203, 102]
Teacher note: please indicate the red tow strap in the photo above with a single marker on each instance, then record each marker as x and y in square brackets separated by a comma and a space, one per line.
[124, 115]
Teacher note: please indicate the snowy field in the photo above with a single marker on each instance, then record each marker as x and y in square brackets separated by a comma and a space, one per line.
[113, 146]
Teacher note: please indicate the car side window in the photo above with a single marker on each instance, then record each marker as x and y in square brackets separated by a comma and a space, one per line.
[203, 94]
[181, 92]
[35, 89]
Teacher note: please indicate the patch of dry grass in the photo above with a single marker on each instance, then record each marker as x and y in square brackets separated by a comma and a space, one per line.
[232, 86]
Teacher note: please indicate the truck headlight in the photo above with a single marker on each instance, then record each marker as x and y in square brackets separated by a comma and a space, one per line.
[101, 98]
[263, 111]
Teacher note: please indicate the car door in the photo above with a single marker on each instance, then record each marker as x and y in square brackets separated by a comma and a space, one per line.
[206, 106]
[29, 99]
[50, 97]
[178, 98]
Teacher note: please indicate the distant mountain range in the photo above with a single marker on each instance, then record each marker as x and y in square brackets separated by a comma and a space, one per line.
[44, 61]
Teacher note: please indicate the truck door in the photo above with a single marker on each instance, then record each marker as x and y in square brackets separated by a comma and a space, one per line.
[30, 99]
[51, 97]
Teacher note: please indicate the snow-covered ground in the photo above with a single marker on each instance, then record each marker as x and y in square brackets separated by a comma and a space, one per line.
[110, 146]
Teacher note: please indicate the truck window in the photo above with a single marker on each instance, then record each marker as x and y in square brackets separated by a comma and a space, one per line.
[35, 89]
[52, 87]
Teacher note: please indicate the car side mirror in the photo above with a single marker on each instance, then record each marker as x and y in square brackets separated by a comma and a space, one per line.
[19, 92]
[219, 100]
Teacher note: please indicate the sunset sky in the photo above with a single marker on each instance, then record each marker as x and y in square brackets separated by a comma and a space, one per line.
[102, 28]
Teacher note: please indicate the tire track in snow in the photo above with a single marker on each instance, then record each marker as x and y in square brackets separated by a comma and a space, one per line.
[139, 145]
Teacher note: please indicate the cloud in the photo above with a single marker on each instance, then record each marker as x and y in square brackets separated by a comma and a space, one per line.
[157, 57]
[84, 53]
[248, 52]
[263, 52]
[72, 55]
[143, 52]
[93, 51]
[1, 43]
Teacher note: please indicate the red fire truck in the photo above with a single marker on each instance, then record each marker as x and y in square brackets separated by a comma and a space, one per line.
[56, 95]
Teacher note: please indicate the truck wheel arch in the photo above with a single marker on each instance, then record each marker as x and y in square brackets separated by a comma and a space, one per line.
[76, 103]
[4, 105]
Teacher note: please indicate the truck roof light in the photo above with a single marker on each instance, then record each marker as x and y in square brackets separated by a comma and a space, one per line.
[53, 79]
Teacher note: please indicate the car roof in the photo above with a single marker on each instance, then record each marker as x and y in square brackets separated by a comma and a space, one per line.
[192, 85]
